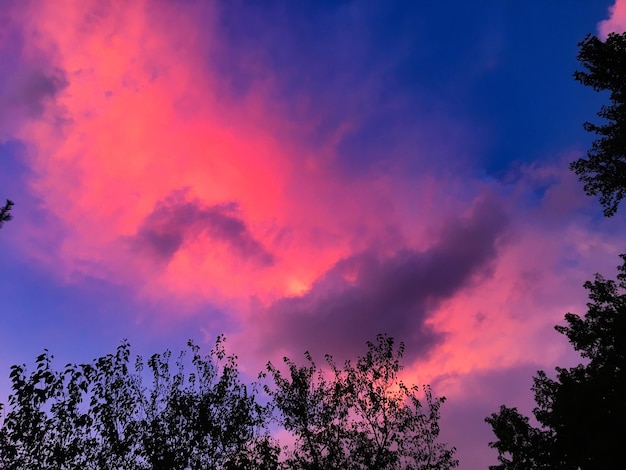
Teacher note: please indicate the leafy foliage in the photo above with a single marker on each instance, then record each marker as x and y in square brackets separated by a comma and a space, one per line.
[583, 412]
[603, 172]
[5, 212]
[519, 445]
[100, 416]
[358, 417]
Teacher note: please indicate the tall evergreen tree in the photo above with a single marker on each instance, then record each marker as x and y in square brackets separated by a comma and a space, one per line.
[603, 172]
[582, 414]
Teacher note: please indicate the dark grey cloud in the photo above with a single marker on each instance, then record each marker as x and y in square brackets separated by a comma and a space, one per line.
[33, 89]
[176, 219]
[28, 85]
[368, 294]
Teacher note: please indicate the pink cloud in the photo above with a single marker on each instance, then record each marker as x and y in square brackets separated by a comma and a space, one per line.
[159, 178]
[135, 115]
[616, 23]
[369, 293]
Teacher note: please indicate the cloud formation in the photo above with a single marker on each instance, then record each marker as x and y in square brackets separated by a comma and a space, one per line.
[177, 219]
[367, 293]
[334, 179]
[273, 211]
[616, 23]
[30, 82]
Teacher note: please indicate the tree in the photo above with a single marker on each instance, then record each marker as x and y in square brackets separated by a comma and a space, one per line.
[603, 172]
[582, 414]
[358, 417]
[5, 212]
[100, 416]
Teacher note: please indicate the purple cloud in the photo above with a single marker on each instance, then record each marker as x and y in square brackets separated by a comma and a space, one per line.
[29, 83]
[35, 87]
[367, 293]
[175, 220]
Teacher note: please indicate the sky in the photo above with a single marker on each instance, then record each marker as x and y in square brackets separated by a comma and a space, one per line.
[302, 176]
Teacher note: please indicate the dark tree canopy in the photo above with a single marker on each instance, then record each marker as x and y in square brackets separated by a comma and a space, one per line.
[603, 172]
[101, 416]
[582, 414]
[359, 417]
[5, 212]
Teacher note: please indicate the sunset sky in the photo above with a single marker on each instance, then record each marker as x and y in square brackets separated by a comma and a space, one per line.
[302, 175]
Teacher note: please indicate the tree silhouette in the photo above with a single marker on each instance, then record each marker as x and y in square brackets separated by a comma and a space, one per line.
[582, 414]
[5, 212]
[358, 417]
[603, 172]
[100, 416]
